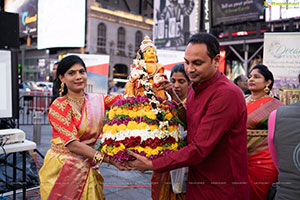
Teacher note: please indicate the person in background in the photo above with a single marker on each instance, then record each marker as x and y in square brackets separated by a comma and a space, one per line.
[55, 82]
[216, 153]
[261, 170]
[70, 169]
[283, 139]
[242, 82]
[161, 182]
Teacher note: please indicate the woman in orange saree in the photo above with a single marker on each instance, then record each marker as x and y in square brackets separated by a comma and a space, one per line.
[70, 167]
[161, 182]
[261, 170]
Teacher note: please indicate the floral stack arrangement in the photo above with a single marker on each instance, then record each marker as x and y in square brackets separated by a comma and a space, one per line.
[142, 121]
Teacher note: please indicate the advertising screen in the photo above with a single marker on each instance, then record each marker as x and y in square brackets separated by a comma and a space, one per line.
[279, 9]
[233, 11]
[174, 22]
[61, 23]
[27, 15]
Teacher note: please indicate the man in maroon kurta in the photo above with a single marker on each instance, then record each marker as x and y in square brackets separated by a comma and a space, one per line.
[216, 153]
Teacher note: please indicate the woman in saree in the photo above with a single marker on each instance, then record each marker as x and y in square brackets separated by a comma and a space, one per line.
[161, 182]
[70, 167]
[261, 170]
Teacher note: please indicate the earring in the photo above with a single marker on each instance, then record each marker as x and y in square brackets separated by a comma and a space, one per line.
[267, 89]
[61, 89]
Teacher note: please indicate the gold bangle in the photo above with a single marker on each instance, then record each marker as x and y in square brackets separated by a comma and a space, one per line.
[98, 157]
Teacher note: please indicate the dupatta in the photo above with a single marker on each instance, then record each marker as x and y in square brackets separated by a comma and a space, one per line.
[73, 175]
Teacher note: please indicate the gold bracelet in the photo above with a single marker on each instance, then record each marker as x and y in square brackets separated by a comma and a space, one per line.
[98, 157]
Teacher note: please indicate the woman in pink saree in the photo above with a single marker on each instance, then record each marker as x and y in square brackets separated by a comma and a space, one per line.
[261, 170]
[70, 167]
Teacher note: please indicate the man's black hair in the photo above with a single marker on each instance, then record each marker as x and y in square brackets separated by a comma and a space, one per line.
[237, 79]
[211, 42]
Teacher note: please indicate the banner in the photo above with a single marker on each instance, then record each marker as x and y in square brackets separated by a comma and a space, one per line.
[174, 22]
[281, 9]
[170, 58]
[282, 57]
[233, 11]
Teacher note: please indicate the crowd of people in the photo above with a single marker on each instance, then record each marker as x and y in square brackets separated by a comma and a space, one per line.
[240, 141]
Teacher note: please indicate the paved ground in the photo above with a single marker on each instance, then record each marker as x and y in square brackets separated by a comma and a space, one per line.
[117, 185]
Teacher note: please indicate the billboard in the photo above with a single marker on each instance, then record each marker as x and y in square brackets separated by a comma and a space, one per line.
[279, 9]
[61, 23]
[27, 10]
[282, 57]
[174, 22]
[233, 11]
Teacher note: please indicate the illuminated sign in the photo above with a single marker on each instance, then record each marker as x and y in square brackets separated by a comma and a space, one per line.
[28, 20]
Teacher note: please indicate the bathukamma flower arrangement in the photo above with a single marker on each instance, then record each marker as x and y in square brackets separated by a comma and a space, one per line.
[143, 122]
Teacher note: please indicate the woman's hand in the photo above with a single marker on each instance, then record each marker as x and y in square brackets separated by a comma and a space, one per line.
[168, 86]
[165, 85]
[141, 163]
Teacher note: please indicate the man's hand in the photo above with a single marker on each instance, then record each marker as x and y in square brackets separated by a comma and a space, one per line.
[141, 163]
[119, 166]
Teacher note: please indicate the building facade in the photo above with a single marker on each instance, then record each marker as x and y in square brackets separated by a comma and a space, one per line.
[113, 31]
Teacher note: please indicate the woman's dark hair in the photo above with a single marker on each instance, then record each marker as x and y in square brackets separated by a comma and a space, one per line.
[211, 42]
[63, 66]
[267, 74]
[179, 68]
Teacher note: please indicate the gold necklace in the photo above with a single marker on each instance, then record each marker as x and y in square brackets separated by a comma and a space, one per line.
[250, 100]
[77, 100]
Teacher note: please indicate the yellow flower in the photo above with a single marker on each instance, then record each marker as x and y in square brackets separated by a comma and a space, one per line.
[169, 116]
[117, 149]
[121, 127]
[111, 114]
[153, 127]
[105, 128]
[131, 114]
[142, 126]
[151, 115]
[173, 128]
[132, 125]
[114, 129]
[155, 151]
[119, 111]
[174, 146]
[104, 148]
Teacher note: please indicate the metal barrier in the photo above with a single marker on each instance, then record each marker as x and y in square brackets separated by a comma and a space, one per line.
[33, 106]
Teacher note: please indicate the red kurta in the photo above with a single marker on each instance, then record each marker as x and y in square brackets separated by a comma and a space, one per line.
[217, 142]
